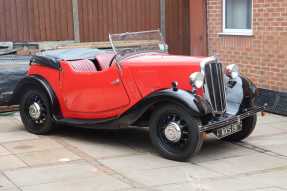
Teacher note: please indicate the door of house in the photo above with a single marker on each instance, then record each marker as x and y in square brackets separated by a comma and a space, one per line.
[177, 26]
[186, 27]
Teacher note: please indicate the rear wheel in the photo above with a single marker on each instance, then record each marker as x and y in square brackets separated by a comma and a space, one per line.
[35, 112]
[175, 133]
[248, 126]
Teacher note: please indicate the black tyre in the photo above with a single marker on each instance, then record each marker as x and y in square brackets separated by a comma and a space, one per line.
[35, 112]
[248, 126]
[175, 133]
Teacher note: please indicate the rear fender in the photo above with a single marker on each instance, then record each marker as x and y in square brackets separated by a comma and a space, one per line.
[195, 105]
[36, 82]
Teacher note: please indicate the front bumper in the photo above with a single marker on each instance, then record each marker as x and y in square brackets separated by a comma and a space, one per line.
[231, 119]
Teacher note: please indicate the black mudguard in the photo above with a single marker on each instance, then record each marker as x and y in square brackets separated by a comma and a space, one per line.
[196, 105]
[240, 95]
[36, 82]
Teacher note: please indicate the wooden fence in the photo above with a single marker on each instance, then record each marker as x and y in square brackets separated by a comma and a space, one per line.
[54, 20]
[43, 20]
[36, 20]
[101, 17]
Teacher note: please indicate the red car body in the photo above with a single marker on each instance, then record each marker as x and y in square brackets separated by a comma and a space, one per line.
[113, 90]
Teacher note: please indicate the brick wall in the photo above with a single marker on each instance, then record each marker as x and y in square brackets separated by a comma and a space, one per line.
[261, 57]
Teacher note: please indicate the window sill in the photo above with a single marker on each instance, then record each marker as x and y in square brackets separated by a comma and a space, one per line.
[235, 34]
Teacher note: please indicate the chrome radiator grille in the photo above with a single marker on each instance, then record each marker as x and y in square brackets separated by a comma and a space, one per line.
[214, 86]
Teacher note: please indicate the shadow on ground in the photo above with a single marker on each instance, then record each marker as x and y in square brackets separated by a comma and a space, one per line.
[138, 139]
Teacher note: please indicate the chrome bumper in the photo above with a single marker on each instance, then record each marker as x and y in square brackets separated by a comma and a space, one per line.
[225, 121]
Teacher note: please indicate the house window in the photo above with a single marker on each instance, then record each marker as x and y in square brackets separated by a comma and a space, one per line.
[237, 17]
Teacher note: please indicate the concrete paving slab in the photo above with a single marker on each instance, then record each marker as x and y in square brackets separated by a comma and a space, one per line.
[268, 130]
[16, 136]
[268, 140]
[138, 139]
[248, 183]
[273, 188]
[271, 119]
[53, 173]
[17, 116]
[101, 149]
[10, 189]
[3, 151]
[214, 149]
[279, 125]
[56, 155]
[133, 163]
[141, 189]
[5, 184]
[193, 186]
[119, 160]
[31, 145]
[98, 183]
[8, 124]
[171, 175]
[10, 162]
[245, 164]
[268, 180]
[278, 149]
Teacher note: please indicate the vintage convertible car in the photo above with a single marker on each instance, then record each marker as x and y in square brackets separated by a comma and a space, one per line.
[179, 98]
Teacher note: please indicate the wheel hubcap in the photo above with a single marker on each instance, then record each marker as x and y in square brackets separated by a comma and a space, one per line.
[173, 132]
[35, 111]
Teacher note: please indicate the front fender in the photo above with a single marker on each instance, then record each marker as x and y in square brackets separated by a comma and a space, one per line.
[249, 89]
[240, 94]
[195, 105]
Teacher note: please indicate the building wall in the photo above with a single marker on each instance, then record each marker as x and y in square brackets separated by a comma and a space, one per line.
[261, 57]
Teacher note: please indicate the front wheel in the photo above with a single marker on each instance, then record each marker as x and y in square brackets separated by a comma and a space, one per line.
[248, 126]
[175, 133]
[35, 112]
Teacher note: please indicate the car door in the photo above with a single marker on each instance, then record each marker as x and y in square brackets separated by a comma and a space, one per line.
[94, 92]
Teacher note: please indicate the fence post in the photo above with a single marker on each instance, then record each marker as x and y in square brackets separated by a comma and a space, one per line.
[76, 22]
[162, 17]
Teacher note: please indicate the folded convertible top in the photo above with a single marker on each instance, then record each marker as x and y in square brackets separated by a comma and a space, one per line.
[73, 54]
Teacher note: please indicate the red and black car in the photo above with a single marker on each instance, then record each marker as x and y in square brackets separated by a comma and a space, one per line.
[179, 98]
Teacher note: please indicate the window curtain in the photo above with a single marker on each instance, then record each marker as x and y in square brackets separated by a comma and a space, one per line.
[238, 14]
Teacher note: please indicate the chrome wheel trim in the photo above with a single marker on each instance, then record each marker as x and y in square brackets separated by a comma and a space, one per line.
[35, 111]
[173, 132]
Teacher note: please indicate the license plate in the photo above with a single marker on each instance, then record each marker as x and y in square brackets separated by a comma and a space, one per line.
[228, 130]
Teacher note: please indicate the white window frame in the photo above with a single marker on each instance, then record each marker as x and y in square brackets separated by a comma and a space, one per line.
[228, 31]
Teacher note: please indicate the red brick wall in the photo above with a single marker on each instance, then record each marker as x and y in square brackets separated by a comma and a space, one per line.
[261, 57]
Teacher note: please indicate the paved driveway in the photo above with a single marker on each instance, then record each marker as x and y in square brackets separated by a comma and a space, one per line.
[78, 159]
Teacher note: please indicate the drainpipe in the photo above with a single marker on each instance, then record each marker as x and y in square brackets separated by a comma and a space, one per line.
[76, 22]
[162, 18]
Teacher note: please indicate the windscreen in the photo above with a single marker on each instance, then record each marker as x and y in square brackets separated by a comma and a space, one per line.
[126, 44]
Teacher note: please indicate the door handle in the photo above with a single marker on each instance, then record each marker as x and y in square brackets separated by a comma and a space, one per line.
[115, 82]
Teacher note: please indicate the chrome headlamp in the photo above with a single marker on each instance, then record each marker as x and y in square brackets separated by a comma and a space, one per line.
[232, 71]
[197, 79]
